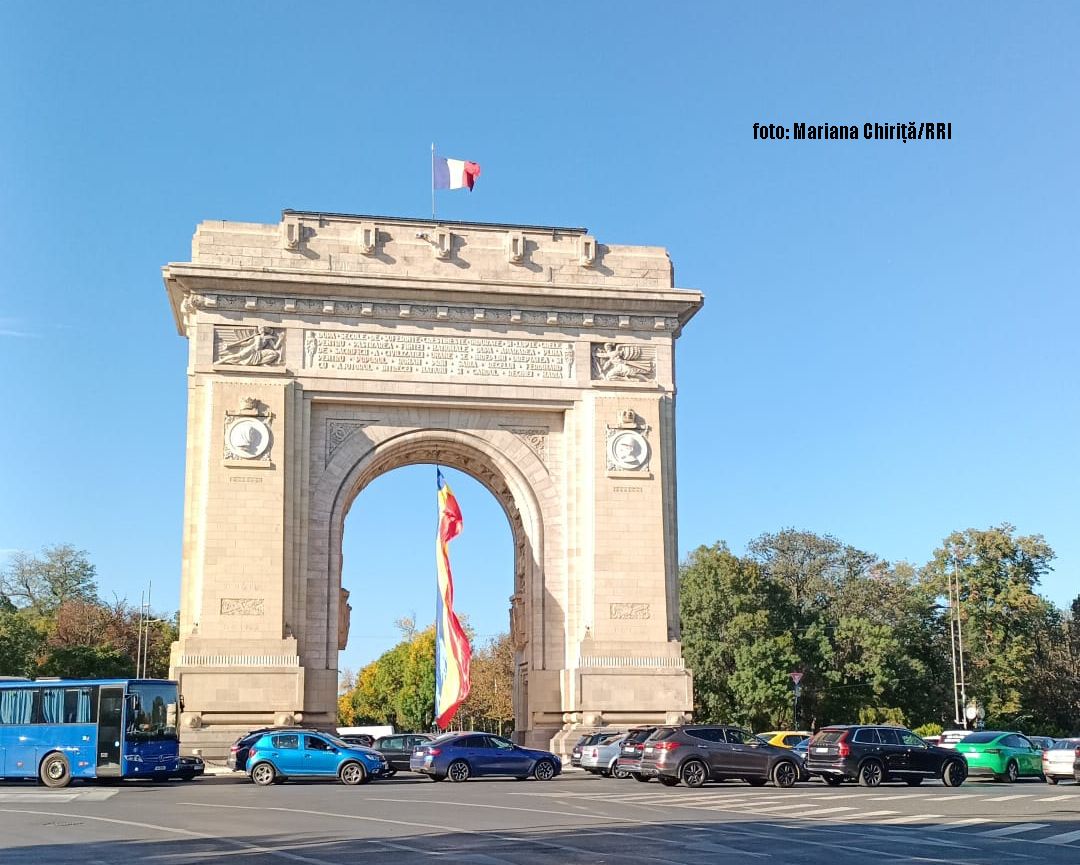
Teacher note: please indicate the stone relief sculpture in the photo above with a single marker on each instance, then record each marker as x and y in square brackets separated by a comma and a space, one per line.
[518, 634]
[621, 362]
[630, 611]
[344, 619]
[250, 346]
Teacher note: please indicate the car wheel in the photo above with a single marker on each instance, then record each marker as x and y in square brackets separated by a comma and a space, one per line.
[187, 776]
[833, 781]
[694, 773]
[954, 773]
[263, 774]
[458, 771]
[640, 777]
[434, 777]
[913, 782]
[391, 772]
[785, 774]
[544, 770]
[352, 774]
[1050, 779]
[669, 782]
[871, 774]
[621, 774]
[55, 771]
[1012, 772]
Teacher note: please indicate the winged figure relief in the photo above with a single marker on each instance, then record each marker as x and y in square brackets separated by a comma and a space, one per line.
[250, 346]
[615, 362]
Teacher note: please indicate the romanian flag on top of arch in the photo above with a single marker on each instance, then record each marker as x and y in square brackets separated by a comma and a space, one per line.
[452, 651]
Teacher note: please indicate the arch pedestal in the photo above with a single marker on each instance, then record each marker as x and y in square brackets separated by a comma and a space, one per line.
[328, 350]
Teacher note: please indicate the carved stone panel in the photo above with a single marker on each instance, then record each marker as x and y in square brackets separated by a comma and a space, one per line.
[615, 361]
[249, 346]
[535, 438]
[630, 611]
[415, 354]
[243, 606]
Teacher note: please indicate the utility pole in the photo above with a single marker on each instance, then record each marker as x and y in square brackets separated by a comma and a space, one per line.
[956, 641]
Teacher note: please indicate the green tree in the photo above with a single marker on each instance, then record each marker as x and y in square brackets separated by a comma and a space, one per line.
[22, 638]
[86, 662]
[44, 582]
[415, 703]
[1002, 616]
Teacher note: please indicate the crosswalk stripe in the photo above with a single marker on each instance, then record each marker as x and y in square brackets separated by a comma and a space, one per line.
[782, 807]
[941, 799]
[890, 798]
[1008, 798]
[1063, 838]
[859, 816]
[911, 818]
[817, 812]
[1015, 829]
[957, 824]
[1055, 798]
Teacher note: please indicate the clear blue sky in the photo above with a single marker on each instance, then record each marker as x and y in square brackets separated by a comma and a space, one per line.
[888, 349]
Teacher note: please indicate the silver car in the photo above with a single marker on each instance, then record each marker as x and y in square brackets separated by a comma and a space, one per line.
[599, 759]
[1058, 760]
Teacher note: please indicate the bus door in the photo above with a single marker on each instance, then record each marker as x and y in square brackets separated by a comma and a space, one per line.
[110, 730]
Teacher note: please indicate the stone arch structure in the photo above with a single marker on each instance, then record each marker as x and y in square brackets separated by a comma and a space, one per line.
[328, 349]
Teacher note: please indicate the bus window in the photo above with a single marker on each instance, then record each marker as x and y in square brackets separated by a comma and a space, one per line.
[16, 705]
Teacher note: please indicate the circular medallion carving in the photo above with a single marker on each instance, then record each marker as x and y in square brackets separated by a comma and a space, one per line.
[628, 450]
[248, 438]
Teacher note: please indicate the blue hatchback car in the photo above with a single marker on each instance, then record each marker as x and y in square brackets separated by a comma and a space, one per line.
[460, 756]
[275, 757]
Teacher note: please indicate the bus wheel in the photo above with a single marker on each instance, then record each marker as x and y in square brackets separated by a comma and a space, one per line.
[55, 771]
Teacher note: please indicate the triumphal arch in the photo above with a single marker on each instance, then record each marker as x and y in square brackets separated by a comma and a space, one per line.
[327, 349]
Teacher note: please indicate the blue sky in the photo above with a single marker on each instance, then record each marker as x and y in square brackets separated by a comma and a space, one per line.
[887, 352]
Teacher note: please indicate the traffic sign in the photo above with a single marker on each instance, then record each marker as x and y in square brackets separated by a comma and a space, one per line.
[796, 677]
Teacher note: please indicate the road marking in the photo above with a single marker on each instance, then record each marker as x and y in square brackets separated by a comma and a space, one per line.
[911, 818]
[1063, 838]
[782, 807]
[956, 824]
[941, 799]
[250, 848]
[864, 814]
[1055, 798]
[1008, 798]
[1015, 829]
[38, 797]
[890, 798]
[817, 812]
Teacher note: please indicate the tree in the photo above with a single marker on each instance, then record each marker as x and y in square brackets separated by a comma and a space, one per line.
[86, 662]
[21, 640]
[415, 703]
[1004, 620]
[490, 704]
[43, 583]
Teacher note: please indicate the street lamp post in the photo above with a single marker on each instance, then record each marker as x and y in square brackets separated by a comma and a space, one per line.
[956, 641]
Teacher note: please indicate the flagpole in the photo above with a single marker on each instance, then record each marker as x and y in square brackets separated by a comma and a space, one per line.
[433, 182]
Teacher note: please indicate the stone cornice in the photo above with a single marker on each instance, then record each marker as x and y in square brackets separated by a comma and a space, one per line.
[345, 291]
[399, 313]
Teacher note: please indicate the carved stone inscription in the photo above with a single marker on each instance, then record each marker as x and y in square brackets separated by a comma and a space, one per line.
[438, 355]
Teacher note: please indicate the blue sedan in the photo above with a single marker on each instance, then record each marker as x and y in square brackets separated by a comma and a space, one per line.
[460, 756]
[277, 756]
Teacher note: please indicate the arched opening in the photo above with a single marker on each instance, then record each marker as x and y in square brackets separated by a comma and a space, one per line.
[496, 460]
[388, 579]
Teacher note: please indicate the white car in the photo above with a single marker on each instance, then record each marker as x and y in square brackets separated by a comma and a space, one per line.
[1058, 760]
[950, 738]
[599, 759]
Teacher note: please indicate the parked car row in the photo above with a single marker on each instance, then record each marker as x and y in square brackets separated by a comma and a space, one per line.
[273, 755]
[690, 754]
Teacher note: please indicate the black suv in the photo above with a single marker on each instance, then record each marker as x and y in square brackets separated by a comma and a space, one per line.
[629, 759]
[872, 754]
[398, 749]
[694, 754]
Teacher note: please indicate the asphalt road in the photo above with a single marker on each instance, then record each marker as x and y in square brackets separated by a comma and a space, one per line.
[573, 819]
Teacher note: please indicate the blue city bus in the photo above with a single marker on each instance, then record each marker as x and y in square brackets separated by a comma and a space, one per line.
[60, 729]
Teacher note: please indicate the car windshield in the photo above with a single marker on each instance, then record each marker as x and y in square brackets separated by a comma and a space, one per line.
[828, 736]
[1065, 744]
[152, 711]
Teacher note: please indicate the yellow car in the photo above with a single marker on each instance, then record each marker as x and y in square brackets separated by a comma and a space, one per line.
[784, 738]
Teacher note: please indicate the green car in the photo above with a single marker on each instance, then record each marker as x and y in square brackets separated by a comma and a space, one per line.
[1006, 756]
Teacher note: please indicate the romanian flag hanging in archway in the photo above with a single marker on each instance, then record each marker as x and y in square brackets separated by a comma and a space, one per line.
[452, 652]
